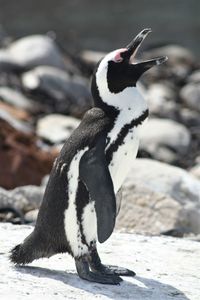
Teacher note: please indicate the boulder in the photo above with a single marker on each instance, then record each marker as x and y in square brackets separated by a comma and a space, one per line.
[22, 161]
[153, 187]
[56, 128]
[64, 94]
[164, 139]
[17, 99]
[154, 259]
[161, 100]
[190, 94]
[35, 50]
[196, 171]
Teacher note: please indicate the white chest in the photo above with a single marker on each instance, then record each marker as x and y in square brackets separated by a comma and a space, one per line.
[123, 158]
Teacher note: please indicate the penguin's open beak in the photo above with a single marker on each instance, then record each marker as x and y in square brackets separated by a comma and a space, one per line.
[132, 49]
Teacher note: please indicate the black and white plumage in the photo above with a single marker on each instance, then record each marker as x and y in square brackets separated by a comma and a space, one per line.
[79, 205]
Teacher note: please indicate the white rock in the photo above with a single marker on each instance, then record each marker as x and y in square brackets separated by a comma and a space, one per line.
[190, 94]
[162, 136]
[36, 50]
[161, 100]
[167, 268]
[17, 99]
[56, 128]
[67, 94]
[196, 171]
[146, 211]
[170, 181]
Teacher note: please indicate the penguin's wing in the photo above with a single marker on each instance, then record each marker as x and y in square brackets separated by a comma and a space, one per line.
[94, 172]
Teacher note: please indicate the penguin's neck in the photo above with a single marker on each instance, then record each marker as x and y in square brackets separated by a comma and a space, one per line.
[123, 107]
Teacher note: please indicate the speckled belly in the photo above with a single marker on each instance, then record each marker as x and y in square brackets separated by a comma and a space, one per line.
[123, 159]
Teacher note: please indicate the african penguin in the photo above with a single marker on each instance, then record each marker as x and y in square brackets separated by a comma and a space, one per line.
[79, 205]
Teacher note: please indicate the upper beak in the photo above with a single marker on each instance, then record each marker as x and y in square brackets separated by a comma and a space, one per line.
[134, 45]
[136, 42]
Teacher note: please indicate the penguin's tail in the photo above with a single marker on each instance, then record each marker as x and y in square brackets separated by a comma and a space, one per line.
[32, 248]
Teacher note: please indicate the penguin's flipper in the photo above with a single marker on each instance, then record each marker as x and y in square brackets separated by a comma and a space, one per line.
[94, 172]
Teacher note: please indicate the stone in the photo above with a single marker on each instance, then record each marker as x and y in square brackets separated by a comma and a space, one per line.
[13, 121]
[64, 94]
[154, 259]
[164, 139]
[31, 216]
[190, 94]
[161, 100]
[146, 211]
[30, 195]
[92, 57]
[169, 181]
[35, 50]
[179, 65]
[194, 77]
[22, 161]
[196, 171]
[56, 128]
[17, 99]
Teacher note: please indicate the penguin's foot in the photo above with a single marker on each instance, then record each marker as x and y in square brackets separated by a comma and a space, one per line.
[84, 272]
[97, 266]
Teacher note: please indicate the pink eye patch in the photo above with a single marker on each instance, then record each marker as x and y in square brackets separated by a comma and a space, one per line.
[118, 57]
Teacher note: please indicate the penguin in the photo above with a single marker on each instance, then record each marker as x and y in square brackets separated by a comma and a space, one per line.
[82, 197]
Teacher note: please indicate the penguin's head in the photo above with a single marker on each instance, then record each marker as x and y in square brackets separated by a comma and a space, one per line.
[118, 70]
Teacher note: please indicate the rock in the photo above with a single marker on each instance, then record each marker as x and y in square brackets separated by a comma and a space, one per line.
[14, 122]
[161, 100]
[35, 50]
[154, 259]
[22, 161]
[64, 94]
[196, 171]
[146, 211]
[190, 94]
[31, 216]
[194, 77]
[179, 65]
[30, 195]
[17, 99]
[165, 139]
[169, 181]
[7, 200]
[56, 128]
[92, 57]
[14, 112]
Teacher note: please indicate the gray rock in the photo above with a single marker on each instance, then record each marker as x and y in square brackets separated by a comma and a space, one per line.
[175, 53]
[165, 139]
[92, 57]
[56, 128]
[66, 94]
[196, 171]
[167, 268]
[172, 182]
[30, 195]
[17, 99]
[161, 100]
[24, 198]
[179, 65]
[31, 216]
[146, 211]
[14, 122]
[36, 50]
[190, 95]
[194, 77]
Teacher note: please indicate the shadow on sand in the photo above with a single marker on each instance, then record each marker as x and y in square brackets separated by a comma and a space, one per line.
[140, 288]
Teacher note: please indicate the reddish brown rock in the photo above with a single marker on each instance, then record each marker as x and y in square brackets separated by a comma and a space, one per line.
[22, 161]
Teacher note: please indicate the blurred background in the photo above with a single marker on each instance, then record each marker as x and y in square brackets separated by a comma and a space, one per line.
[48, 51]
